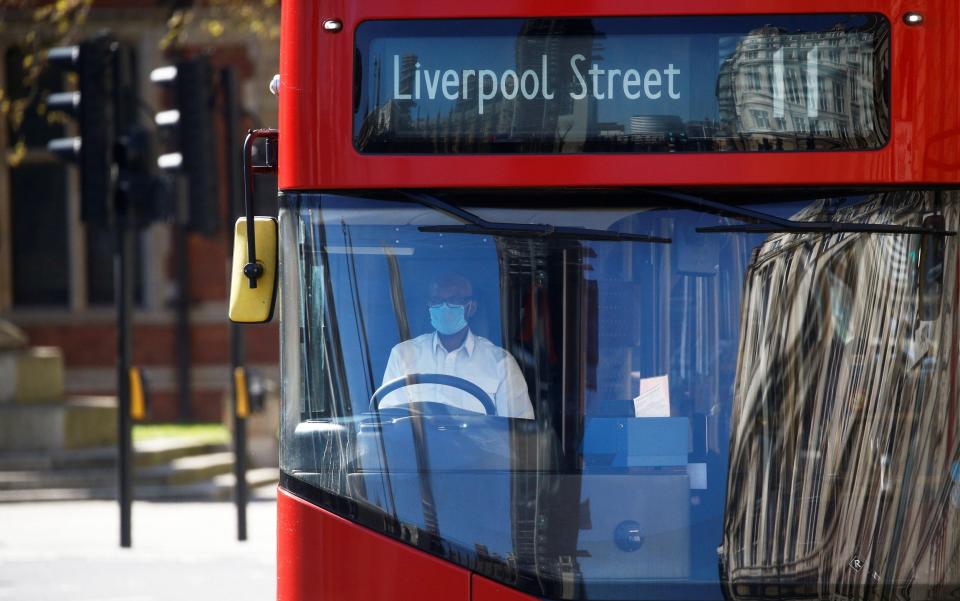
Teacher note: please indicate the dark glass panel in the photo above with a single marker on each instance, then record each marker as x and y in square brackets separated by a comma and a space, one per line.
[39, 235]
[638, 84]
[732, 415]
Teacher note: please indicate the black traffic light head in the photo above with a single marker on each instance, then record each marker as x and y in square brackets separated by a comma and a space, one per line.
[92, 107]
[193, 143]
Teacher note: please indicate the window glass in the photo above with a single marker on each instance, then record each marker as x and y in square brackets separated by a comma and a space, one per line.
[38, 188]
[39, 235]
[683, 413]
[637, 84]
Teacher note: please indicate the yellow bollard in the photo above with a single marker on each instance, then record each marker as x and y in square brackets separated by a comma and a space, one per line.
[138, 404]
[243, 399]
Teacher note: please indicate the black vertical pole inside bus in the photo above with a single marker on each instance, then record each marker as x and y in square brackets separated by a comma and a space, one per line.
[231, 121]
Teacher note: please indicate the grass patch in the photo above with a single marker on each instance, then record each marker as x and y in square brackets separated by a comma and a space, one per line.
[213, 433]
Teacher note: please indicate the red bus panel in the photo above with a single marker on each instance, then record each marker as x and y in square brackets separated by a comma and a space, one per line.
[483, 589]
[316, 113]
[323, 556]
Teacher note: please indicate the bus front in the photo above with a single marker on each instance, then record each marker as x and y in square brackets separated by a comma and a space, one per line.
[619, 302]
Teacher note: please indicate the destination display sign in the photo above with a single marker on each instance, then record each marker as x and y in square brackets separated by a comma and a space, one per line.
[625, 84]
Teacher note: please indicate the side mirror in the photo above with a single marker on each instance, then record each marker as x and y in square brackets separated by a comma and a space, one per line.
[249, 304]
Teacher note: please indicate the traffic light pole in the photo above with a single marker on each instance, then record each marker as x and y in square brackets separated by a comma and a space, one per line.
[231, 121]
[123, 290]
[124, 226]
[191, 157]
[113, 155]
[182, 268]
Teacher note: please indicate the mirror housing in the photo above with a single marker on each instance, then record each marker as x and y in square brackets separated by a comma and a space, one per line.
[254, 304]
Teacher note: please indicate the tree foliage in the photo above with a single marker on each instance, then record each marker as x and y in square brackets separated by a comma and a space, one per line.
[208, 23]
[34, 26]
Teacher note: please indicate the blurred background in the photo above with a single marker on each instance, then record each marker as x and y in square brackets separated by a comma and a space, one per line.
[123, 122]
[58, 347]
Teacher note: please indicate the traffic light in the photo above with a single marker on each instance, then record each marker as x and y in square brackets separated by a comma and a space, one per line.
[92, 105]
[192, 150]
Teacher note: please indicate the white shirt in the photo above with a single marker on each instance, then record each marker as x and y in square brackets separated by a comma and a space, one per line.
[478, 360]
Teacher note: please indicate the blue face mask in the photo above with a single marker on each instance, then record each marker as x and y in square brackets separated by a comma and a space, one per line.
[448, 319]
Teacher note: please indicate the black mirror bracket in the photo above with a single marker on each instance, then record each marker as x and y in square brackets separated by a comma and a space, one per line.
[253, 270]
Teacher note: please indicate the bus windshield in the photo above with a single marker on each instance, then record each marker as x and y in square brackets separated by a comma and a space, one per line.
[676, 414]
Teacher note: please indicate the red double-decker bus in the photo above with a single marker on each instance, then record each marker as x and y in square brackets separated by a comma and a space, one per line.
[617, 300]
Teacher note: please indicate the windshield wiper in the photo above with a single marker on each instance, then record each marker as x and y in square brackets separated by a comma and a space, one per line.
[764, 223]
[478, 225]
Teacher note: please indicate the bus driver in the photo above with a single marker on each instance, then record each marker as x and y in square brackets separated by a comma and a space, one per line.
[453, 349]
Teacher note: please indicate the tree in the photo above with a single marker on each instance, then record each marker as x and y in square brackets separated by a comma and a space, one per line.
[34, 26]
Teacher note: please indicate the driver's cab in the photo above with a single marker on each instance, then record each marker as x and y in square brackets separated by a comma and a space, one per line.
[431, 346]
[609, 326]
[451, 405]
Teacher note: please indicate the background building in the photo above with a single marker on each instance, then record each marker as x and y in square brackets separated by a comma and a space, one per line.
[56, 273]
[799, 108]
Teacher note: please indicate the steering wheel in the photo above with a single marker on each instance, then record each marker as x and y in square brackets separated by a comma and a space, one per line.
[443, 379]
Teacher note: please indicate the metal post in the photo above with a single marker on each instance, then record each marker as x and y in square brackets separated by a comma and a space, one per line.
[124, 223]
[231, 121]
[123, 290]
[240, 463]
[182, 328]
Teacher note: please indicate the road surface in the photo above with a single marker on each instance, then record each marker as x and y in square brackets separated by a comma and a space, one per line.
[70, 552]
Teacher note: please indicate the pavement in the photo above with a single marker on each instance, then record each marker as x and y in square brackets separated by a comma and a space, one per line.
[70, 551]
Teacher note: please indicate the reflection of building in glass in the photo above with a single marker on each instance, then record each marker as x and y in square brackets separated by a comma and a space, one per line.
[846, 422]
[565, 122]
[536, 125]
[815, 90]
[653, 129]
[392, 114]
[610, 129]
[779, 89]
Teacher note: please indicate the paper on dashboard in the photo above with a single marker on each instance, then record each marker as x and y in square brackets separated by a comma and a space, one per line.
[654, 397]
